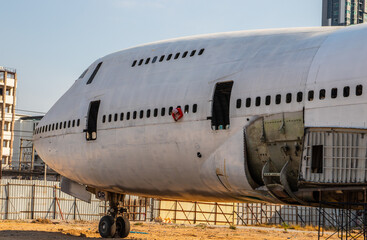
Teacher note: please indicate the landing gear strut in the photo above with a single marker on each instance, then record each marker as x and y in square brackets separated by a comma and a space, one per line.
[116, 223]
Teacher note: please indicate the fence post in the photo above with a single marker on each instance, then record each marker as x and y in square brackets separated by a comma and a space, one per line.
[195, 212]
[175, 212]
[7, 202]
[55, 202]
[215, 214]
[33, 200]
[74, 208]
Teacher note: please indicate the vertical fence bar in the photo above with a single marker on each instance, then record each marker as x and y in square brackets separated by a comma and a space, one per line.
[33, 200]
[7, 201]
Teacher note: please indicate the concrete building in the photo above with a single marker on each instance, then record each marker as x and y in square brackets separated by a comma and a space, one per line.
[8, 86]
[343, 12]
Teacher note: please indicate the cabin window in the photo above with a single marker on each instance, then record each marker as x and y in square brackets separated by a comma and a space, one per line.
[94, 73]
[267, 100]
[322, 94]
[192, 53]
[163, 112]
[194, 108]
[288, 98]
[116, 117]
[104, 118]
[221, 105]
[60, 125]
[201, 51]
[346, 91]
[278, 99]
[317, 159]
[248, 102]
[69, 124]
[78, 123]
[185, 54]
[155, 112]
[128, 116]
[141, 62]
[53, 127]
[148, 113]
[57, 126]
[299, 96]
[73, 123]
[334, 92]
[91, 133]
[186, 109]
[154, 59]
[141, 114]
[257, 101]
[121, 116]
[177, 55]
[169, 57]
[134, 114]
[170, 110]
[134, 63]
[162, 58]
[109, 117]
[359, 90]
[147, 61]
[310, 95]
[238, 103]
[64, 124]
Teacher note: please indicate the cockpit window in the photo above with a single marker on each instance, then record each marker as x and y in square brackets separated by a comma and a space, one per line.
[83, 74]
[94, 73]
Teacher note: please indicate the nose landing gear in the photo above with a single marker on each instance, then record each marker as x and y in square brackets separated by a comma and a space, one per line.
[115, 224]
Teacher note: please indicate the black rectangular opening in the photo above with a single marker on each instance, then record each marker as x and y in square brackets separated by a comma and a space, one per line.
[94, 73]
[91, 133]
[317, 158]
[221, 103]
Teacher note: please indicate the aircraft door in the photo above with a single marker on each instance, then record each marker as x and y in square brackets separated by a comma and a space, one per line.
[221, 105]
[91, 131]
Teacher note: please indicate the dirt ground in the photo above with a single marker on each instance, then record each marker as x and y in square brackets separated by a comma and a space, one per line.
[45, 229]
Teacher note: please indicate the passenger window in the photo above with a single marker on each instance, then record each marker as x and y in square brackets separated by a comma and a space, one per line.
[155, 112]
[359, 90]
[154, 59]
[201, 51]
[78, 123]
[141, 114]
[128, 116]
[238, 103]
[65, 124]
[310, 95]
[185, 54]
[94, 73]
[141, 62]
[73, 123]
[116, 117]
[177, 55]
[194, 108]
[104, 118]
[60, 125]
[163, 112]
[248, 102]
[299, 96]
[334, 92]
[170, 110]
[186, 109]
[169, 57]
[258, 101]
[69, 123]
[53, 126]
[288, 98]
[148, 113]
[121, 116]
[109, 117]
[278, 99]
[57, 125]
[346, 91]
[192, 53]
[134, 115]
[134, 63]
[162, 58]
[322, 94]
[267, 100]
[147, 61]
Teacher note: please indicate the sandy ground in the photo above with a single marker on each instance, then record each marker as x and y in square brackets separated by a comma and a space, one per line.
[45, 229]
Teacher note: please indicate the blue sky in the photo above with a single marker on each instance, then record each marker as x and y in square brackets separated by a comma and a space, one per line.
[51, 42]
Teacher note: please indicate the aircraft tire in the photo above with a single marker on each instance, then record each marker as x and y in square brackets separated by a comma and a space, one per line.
[107, 227]
[122, 227]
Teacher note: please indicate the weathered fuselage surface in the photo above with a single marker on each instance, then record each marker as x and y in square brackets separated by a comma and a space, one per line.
[269, 115]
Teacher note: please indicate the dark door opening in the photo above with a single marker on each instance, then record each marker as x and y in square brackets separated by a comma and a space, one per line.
[91, 133]
[221, 103]
[317, 159]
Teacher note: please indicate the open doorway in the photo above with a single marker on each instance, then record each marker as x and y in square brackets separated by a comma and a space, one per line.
[91, 133]
[220, 107]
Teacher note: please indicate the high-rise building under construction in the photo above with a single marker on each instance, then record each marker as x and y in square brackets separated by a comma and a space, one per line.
[8, 84]
[343, 12]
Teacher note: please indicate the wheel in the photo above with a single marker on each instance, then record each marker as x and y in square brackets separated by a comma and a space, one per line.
[107, 227]
[122, 227]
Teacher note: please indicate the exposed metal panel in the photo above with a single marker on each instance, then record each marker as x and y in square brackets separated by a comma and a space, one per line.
[344, 156]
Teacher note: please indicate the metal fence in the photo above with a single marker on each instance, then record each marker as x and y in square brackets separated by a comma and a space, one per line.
[31, 199]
